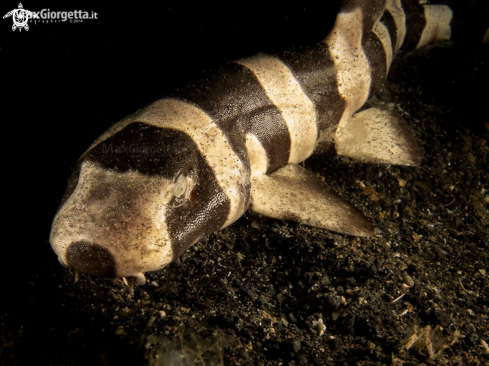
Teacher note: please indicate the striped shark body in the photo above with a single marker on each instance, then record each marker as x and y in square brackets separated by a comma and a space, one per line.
[184, 167]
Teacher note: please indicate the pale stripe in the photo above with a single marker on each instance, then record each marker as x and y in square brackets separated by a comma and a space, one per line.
[210, 140]
[353, 70]
[381, 31]
[286, 94]
[396, 10]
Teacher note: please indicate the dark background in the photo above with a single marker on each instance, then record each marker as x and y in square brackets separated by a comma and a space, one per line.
[62, 85]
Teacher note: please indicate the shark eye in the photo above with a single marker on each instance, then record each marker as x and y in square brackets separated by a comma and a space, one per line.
[180, 186]
[184, 187]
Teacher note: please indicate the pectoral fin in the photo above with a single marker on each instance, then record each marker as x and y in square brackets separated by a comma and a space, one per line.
[293, 193]
[378, 135]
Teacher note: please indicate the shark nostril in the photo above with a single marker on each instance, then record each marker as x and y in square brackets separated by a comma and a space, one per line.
[91, 258]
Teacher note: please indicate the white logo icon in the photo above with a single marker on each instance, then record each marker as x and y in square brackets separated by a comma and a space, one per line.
[20, 17]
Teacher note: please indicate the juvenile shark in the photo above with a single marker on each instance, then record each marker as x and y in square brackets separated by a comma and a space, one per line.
[184, 167]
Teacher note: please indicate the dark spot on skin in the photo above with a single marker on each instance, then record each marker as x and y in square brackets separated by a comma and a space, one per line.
[194, 195]
[91, 258]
